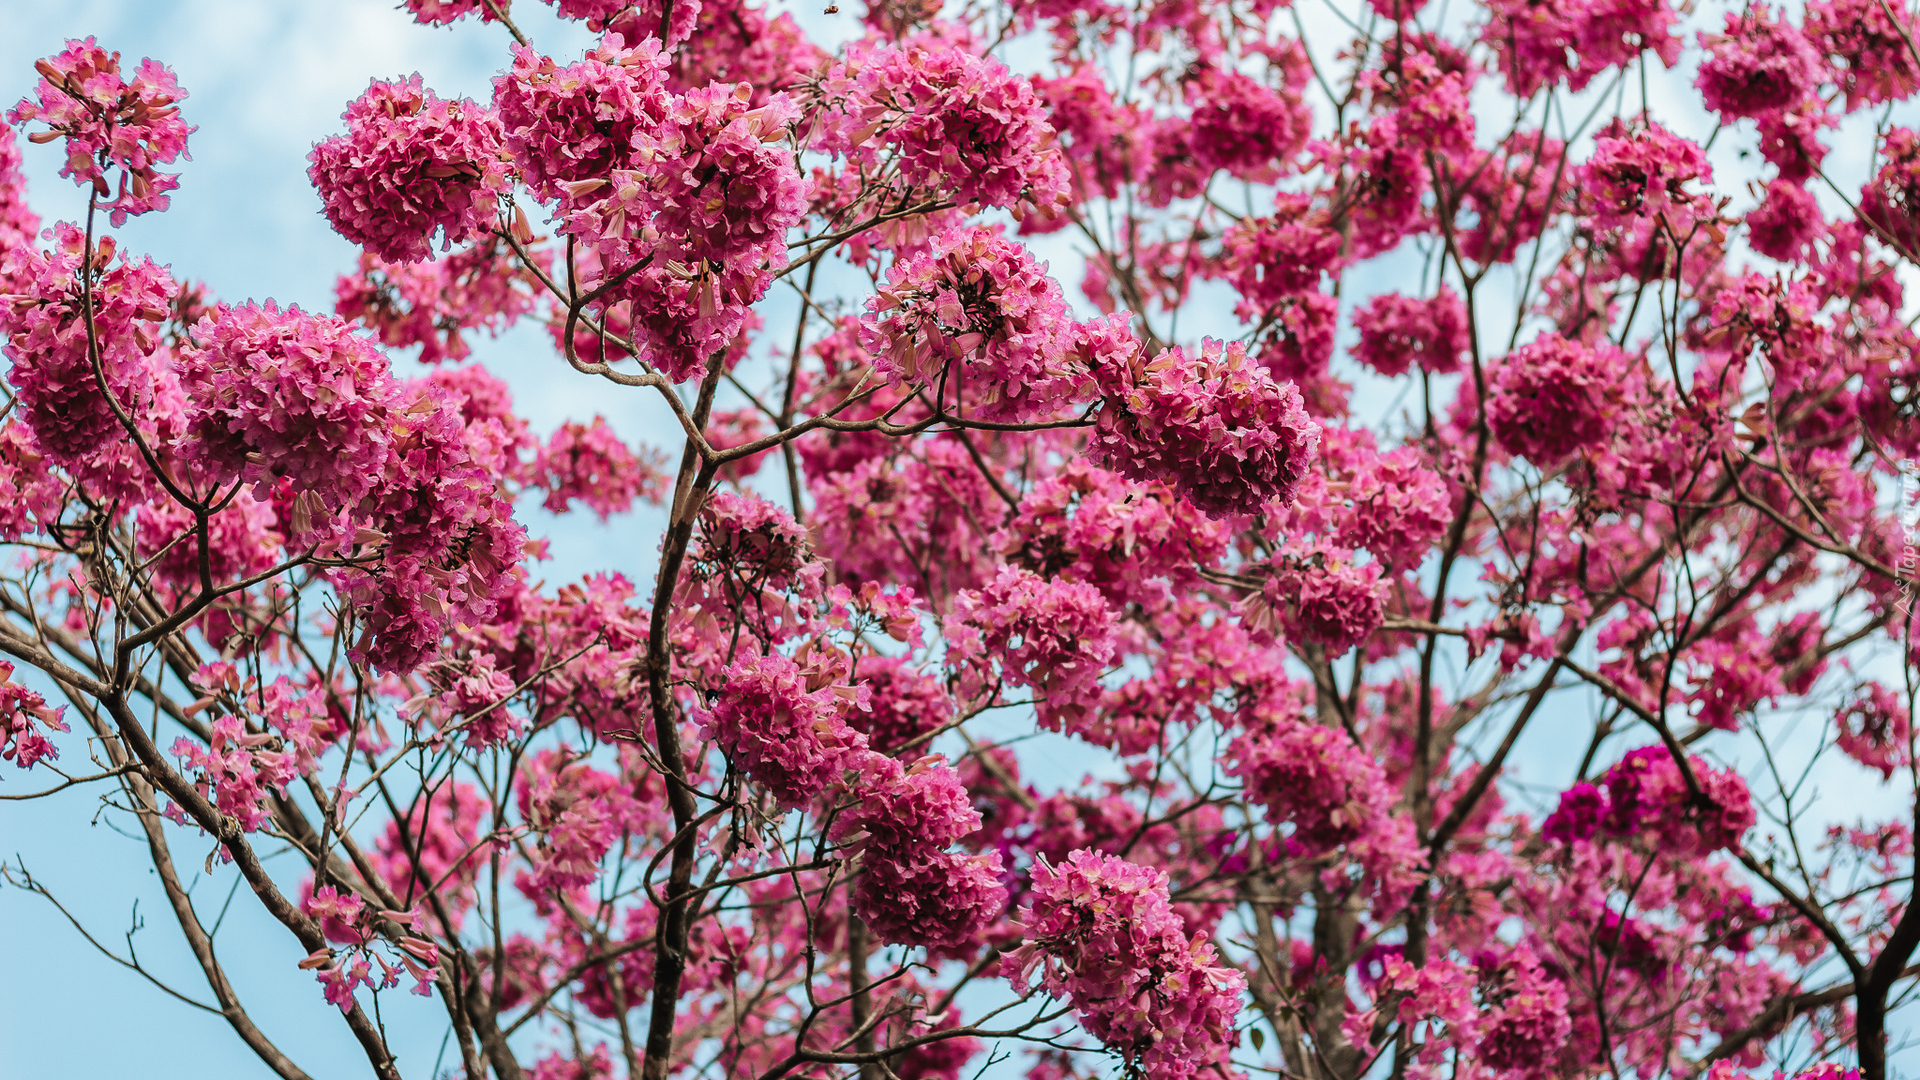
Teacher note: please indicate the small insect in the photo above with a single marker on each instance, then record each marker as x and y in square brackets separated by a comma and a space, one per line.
[833, 9]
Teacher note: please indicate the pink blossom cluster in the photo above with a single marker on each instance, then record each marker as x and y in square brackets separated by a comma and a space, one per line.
[1398, 333]
[975, 312]
[1645, 794]
[53, 359]
[1643, 172]
[1056, 637]
[1891, 202]
[1245, 127]
[1786, 222]
[349, 919]
[951, 120]
[1312, 777]
[718, 189]
[1550, 398]
[1101, 933]
[469, 697]
[1875, 729]
[22, 713]
[436, 304]
[913, 889]
[568, 127]
[1134, 542]
[1399, 509]
[1275, 258]
[579, 812]
[1540, 44]
[780, 732]
[110, 121]
[590, 464]
[282, 394]
[1865, 43]
[1525, 1034]
[1213, 425]
[1322, 595]
[411, 166]
[904, 705]
[1761, 65]
[238, 770]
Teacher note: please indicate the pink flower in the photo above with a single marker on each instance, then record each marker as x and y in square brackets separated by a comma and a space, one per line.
[912, 889]
[1646, 793]
[1874, 729]
[1526, 1033]
[1549, 398]
[21, 711]
[1869, 44]
[47, 340]
[1054, 636]
[238, 771]
[111, 121]
[1760, 65]
[1214, 426]
[277, 392]
[779, 733]
[1785, 222]
[1398, 332]
[1400, 509]
[719, 187]
[589, 463]
[1892, 200]
[1642, 173]
[1271, 259]
[567, 126]
[409, 167]
[1103, 934]
[1244, 127]
[435, 304]
[1323, 596]
[976, 310]
[1312, 777]
[903, 705]
[948, 119]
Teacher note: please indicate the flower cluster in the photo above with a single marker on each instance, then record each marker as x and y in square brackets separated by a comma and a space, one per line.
[22, 711]
[570, 126]
[1875, 729]
[913, 890]
[976, 308]
[1398, 333]
[590, 464]
[110, 121]
[1643, 172]
[779, 732]
[1399, 508]
[1549, 398]
[1310, 776]
[435, 304]
[1102, 934]
[717, 187]
[409, 167]
[240, 770]
[1760, 66]
[952, 120]
[1646, 794]
[1214, 425]
[1054, 636]
[47, 338]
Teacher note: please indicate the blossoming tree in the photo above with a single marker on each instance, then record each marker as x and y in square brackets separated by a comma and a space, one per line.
[759, 816]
